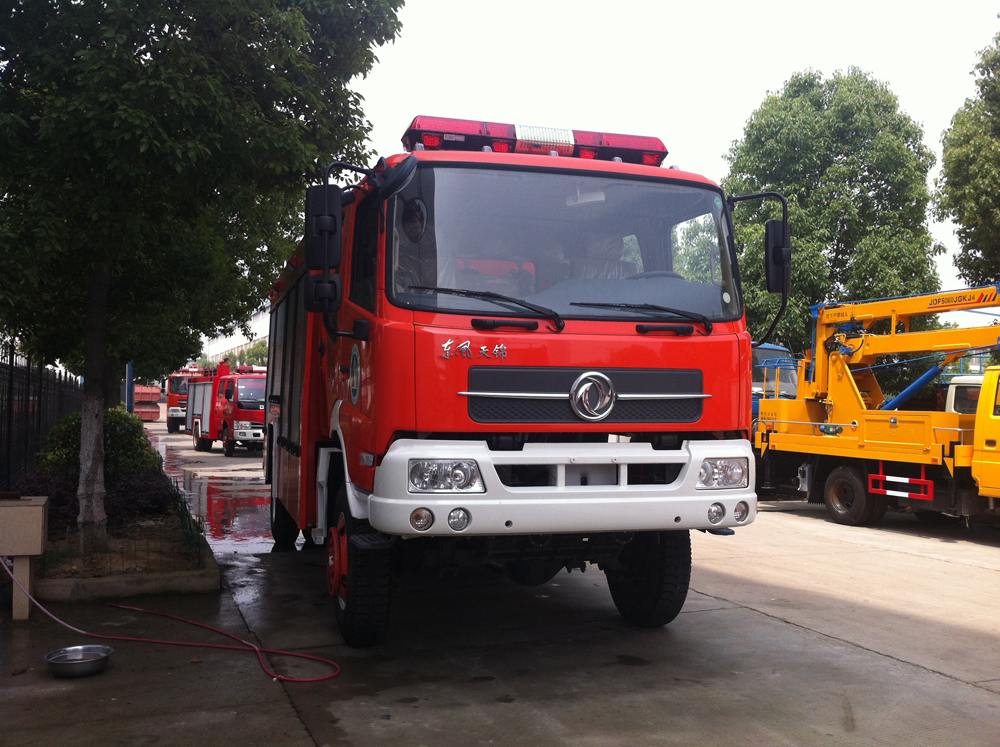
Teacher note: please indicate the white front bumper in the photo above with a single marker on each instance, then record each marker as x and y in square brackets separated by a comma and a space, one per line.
[560, 508]
[250, 435]
[176, 412]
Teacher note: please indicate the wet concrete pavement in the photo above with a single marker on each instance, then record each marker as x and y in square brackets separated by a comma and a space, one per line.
[796, 632]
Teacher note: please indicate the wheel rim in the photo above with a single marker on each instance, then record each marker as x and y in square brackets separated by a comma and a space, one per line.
[843, 496]
[196, 436]
[336, 552]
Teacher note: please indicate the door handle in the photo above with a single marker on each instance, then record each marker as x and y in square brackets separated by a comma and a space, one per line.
[991, 443]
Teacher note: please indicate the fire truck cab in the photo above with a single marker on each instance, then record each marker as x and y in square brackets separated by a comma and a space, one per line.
[177, 396]
[227, 406]
[517, 346]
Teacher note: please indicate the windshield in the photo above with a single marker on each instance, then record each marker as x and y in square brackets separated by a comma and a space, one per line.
[559, 239]
[772, 364]
[178, 384]
[250, 392]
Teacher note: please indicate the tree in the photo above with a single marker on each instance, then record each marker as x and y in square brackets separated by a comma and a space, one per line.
[854, 170]
[154, 155]
[255, 355]
[969, 188]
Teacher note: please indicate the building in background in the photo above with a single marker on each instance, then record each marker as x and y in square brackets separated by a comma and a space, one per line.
[231, 347]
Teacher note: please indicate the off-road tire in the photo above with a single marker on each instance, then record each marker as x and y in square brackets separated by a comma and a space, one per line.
[172, 425]
[284, 529]
[650, 584]
[848, 501]
[362, 604]
[228, 444]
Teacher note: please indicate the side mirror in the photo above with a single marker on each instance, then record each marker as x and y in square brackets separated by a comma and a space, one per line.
[777, 256]
[397, 177]
[322, 234]
[322, 293]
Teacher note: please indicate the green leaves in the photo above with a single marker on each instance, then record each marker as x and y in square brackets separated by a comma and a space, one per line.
[854, 169]
[169, 142]
[970, 184]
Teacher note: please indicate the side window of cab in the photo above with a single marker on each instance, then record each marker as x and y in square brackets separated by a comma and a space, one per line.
[364, 256]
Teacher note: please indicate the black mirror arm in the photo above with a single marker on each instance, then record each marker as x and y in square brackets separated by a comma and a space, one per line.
[774, 324]
[373, 176]
[733, 199]
[360, 331]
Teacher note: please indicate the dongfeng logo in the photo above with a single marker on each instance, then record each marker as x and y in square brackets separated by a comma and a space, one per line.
[592, 396]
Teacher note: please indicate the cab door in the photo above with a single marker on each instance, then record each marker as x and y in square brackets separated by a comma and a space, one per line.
[218, 410]
[986, 444]
[229, 403]
[355, 357]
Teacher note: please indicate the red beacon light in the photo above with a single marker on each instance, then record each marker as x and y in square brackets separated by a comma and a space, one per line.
[441, 133]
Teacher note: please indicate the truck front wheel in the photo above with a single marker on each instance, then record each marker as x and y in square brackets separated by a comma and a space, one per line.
[847, 500]
[228, 444]
[173, 425]
[650, 582]
[360, 580]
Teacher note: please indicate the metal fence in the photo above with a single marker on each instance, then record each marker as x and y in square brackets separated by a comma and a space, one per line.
[32, 398]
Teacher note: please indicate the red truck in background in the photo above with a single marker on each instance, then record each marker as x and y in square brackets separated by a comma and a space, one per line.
[227, 406]
[534, 355]
[177, 395]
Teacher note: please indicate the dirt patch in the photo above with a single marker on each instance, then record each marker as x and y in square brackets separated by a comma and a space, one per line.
[156, 545]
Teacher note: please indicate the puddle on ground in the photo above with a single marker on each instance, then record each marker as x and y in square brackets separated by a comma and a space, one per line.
[234, 511]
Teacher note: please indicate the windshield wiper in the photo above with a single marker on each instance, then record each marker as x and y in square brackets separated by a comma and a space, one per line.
[693, 316]
[491, 296]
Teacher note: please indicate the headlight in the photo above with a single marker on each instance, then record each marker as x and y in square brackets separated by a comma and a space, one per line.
[440, 475]
[723, 473]
[243, 424]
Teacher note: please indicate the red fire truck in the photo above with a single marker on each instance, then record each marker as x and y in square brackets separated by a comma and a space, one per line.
[518, 346]
[227, 406]
[177, 394]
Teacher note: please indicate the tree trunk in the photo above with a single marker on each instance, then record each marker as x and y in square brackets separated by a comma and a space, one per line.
[112, 385]
[92, 519]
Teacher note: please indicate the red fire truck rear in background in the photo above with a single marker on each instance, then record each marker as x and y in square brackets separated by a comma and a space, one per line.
[533, 355]
[227, 406]
[177, 395]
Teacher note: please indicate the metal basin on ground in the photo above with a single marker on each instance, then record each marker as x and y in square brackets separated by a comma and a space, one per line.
[78, 661]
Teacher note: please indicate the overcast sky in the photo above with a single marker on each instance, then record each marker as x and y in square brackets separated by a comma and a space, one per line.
[689, 73]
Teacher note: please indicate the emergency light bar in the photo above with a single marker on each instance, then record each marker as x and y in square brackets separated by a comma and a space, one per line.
[440, 133]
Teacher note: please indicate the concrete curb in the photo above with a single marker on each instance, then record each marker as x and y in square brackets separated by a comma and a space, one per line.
[208, 579]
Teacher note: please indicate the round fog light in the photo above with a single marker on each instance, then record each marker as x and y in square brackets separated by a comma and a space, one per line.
[741, 512]
[716, 512]
[459, 519]
[421, 519]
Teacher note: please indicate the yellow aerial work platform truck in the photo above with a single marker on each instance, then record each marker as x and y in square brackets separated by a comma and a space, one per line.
[842, 439]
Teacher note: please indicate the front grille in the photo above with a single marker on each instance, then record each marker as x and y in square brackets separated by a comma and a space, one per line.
[492, 410]
[559, 381]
